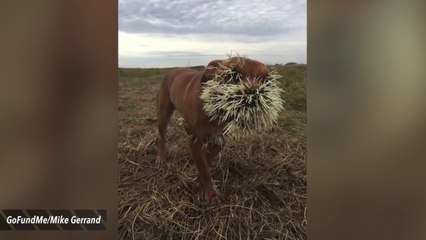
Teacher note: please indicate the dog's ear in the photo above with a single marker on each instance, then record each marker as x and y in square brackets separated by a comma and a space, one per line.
[211, 69]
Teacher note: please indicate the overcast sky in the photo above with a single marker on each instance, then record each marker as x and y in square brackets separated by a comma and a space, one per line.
[178, 33]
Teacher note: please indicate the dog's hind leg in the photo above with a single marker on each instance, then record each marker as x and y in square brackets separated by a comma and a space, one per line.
[165, 110]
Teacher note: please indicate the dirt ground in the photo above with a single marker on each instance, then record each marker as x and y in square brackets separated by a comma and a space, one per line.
[261, 178]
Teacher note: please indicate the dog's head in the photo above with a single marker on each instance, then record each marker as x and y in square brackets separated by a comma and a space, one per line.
[237, 70]
[242, 93]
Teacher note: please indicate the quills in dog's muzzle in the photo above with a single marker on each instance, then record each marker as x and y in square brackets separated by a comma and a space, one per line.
[243, 108]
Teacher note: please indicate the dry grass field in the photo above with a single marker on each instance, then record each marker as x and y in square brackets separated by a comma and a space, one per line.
[262, 178]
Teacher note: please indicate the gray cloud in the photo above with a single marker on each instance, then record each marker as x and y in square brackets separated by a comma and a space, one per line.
[185, 59]
[253, 20]
[181, 54]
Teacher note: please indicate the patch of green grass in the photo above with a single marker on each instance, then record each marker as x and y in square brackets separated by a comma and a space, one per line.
[293, 81]
[142, 72]
[294, 124]
[294, 84]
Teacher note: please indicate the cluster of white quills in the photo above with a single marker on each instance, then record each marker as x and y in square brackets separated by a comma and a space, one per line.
[228, 99]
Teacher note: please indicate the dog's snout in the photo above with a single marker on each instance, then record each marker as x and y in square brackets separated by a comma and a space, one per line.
[251, 97]
[251, 91]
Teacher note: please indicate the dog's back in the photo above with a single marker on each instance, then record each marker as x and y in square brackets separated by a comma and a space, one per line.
[183, 85]
[180, 76]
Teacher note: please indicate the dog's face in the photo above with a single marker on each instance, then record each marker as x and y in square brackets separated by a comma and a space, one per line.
[237, 70]
[241, 92]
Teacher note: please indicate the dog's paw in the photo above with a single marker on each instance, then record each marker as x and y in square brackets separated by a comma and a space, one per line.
[207, 194]
[159, 161]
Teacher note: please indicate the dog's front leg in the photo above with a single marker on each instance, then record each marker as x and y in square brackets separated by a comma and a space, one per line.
[206, 190]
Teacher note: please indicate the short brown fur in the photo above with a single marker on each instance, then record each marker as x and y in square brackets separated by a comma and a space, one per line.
[181, 90]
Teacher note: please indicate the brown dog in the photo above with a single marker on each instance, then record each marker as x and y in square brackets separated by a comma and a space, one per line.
[181, 90]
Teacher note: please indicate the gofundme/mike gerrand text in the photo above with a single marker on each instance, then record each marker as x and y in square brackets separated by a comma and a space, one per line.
[52, 220]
